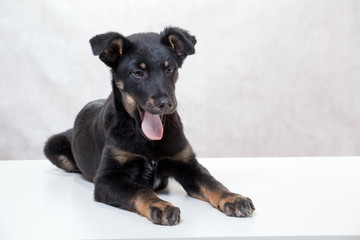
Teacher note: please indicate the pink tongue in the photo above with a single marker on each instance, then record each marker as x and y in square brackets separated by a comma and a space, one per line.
[152, 126]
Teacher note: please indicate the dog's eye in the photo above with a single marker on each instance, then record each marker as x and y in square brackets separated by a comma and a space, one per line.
[138, 74]
[169, 70]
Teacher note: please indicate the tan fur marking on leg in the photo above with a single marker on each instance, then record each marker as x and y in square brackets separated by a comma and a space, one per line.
[123, 156]
[218, 197]
[149, 205]
[228, 199]
[142, 204]
[144, 200]
[213, 197]
[66, 164]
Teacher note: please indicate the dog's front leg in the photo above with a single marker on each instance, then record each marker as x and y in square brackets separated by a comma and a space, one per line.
[210, 190]
[113, 187]
[199, 183]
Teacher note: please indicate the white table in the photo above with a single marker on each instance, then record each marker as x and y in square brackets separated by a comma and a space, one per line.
[294, 197]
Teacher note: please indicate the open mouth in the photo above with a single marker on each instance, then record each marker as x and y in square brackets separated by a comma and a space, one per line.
[151, 124]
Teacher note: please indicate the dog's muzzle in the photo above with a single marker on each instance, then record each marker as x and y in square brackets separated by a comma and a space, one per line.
[152, 116]
[164, 105]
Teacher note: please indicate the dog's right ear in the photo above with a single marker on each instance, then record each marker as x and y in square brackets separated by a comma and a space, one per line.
[109, 47]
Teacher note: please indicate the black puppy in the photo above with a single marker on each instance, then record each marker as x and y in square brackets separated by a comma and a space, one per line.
[132, 142]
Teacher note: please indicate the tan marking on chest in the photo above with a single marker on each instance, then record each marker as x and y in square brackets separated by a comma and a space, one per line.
[184, 155]
[123, 156]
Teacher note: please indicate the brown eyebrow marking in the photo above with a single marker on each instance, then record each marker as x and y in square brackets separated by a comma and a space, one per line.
[142, 65]
[166, 63]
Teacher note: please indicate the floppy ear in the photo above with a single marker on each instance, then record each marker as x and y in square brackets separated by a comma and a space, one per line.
[109, 46]
[179, 41]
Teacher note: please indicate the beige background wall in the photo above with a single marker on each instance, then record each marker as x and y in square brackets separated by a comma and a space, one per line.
[270, 78]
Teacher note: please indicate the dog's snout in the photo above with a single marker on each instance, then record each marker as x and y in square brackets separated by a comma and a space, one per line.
[160, 105]
[164, 104]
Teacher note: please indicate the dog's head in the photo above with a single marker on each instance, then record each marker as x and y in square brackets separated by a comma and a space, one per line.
[145, 70]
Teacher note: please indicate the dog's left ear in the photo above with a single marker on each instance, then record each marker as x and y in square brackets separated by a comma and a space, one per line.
[109, 47]
[179, 41]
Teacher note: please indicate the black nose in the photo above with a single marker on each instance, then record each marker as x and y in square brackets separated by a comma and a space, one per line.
[164, 104]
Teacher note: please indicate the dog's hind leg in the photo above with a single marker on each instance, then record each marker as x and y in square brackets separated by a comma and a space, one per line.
[58, 150]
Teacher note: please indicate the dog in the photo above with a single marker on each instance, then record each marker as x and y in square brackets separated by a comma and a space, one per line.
[131, 143]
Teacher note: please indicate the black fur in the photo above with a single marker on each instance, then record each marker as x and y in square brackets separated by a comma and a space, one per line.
[108, 146]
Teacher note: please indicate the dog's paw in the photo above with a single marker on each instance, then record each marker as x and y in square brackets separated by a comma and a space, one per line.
[164, 213]
[236, 206]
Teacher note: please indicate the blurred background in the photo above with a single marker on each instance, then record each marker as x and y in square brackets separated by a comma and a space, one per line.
[269, 78]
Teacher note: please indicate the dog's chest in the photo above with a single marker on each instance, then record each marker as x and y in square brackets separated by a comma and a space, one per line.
[146, 173]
